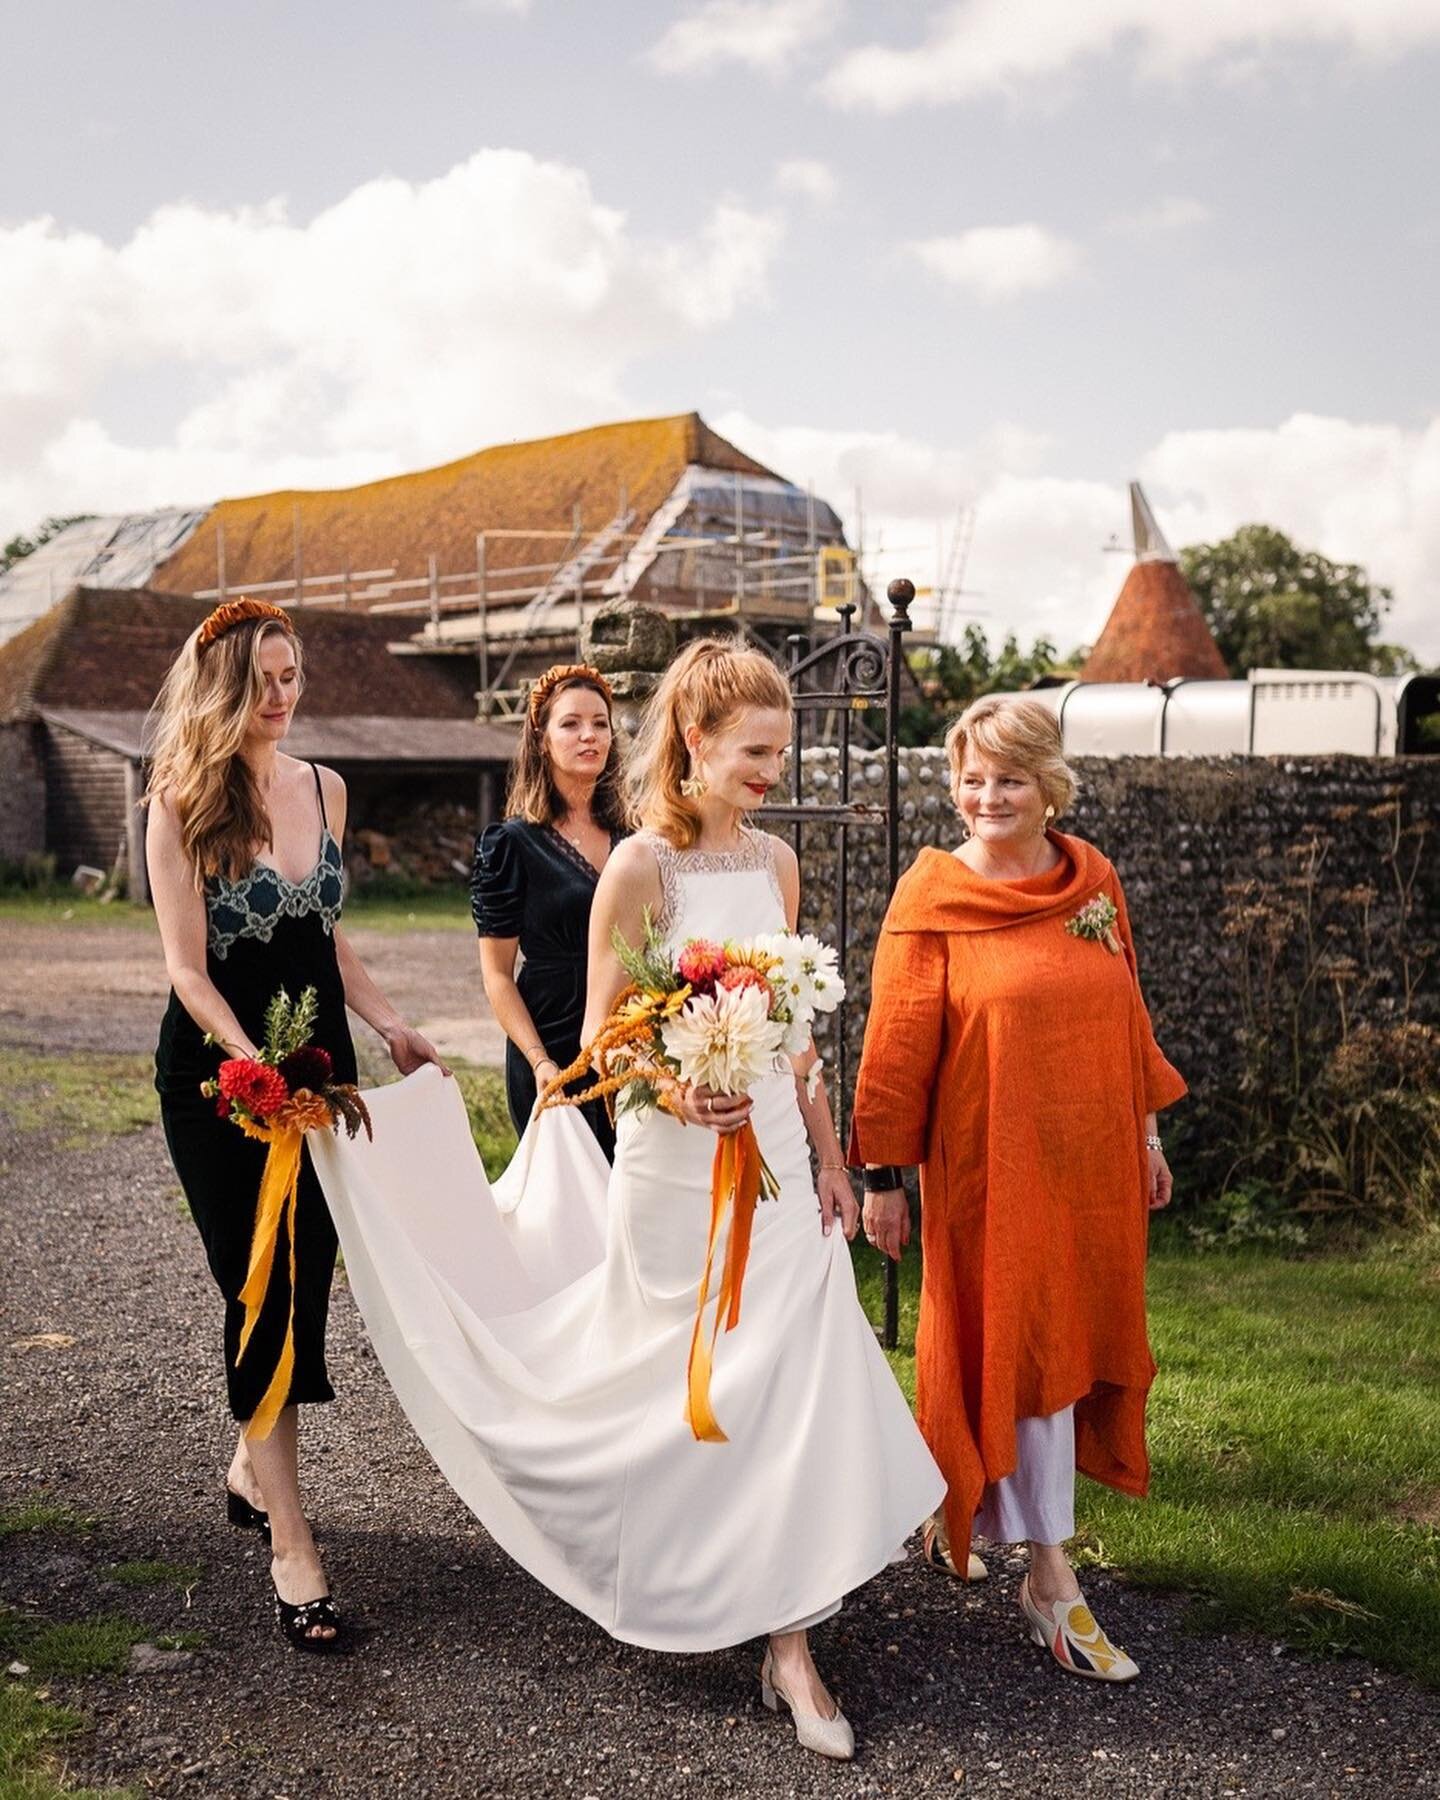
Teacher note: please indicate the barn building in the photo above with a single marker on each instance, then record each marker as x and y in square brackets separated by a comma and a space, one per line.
[76, 686]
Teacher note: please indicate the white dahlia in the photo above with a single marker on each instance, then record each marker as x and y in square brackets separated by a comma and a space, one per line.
[725, 1040]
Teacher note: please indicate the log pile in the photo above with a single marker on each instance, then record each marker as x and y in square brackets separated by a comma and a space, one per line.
[431, 842]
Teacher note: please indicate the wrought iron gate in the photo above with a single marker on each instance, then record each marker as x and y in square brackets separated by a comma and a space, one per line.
[854, 674]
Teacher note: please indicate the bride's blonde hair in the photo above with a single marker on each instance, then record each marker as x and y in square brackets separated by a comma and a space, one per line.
[708, 685]
[198, 724]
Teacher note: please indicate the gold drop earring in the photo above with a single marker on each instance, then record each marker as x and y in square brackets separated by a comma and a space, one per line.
[694, 786]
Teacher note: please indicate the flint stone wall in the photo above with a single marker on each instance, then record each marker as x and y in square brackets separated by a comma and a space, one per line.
[1181, 832]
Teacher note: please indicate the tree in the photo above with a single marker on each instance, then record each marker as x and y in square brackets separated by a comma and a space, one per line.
[1273, 605]
[21, 546]
[950, 676]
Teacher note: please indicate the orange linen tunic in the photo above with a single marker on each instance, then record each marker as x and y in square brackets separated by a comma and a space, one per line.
[1015, 1064]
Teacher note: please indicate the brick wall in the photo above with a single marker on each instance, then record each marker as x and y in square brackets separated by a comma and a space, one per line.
[22, 792]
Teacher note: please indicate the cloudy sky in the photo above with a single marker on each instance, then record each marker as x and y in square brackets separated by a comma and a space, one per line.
[1000, 254]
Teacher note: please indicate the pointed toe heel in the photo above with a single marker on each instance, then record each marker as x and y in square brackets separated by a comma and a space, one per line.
[1068, 1630]
[830, 1737]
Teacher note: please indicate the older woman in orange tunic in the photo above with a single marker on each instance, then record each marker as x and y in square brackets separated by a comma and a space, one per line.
[1009, 1053]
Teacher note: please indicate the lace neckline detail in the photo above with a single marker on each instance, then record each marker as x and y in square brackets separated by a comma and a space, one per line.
[755, 852]
[573, 851]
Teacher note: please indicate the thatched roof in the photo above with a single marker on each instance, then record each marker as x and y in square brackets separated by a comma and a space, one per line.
[1155, 632]
[107, 650]
[399, 522]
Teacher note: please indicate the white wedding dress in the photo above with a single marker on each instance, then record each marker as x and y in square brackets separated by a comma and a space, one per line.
[537, 1332]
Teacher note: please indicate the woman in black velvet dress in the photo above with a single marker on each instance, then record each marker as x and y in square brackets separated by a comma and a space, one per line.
[534, 878]
[243, 851]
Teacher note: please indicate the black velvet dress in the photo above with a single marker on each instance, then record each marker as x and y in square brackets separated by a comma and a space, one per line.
[263, 933]
[531, 883]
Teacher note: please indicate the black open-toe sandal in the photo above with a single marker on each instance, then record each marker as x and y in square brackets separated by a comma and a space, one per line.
[297, 1622]
[246, 1517]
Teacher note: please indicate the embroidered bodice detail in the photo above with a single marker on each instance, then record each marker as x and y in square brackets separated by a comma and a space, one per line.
[755, 853]
[253, 905]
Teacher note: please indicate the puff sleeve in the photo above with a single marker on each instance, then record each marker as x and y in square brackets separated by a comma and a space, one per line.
[497, 884]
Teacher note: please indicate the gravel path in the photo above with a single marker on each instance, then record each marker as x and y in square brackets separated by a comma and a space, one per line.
[103, 987]
[472, 1680]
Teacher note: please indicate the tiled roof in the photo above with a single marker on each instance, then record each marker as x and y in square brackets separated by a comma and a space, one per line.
[108, 650]
[1155, 632]
[399, 522]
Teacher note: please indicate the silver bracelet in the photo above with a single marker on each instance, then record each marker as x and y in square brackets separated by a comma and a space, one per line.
[1152, 1142]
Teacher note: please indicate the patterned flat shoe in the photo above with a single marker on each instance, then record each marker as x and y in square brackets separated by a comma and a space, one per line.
[1069, 1632]
[299, 1622]
[935, 1548]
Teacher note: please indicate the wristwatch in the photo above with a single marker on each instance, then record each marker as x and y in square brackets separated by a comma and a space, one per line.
[882, 1178]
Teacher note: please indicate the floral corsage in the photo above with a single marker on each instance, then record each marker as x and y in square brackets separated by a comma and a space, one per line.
[1096, 921]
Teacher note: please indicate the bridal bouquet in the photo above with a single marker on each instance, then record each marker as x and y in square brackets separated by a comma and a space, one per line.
[721, 1016]
[277, 1097]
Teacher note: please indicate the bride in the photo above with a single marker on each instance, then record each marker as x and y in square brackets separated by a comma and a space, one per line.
[537, 1332]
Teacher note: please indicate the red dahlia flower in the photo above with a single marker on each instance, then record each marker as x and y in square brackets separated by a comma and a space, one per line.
[308, 1067]
[701, 964]
[743, 976]
[260, 1089]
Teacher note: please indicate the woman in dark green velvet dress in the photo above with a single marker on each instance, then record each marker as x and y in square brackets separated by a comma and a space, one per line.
[243, 851]
[534, 878]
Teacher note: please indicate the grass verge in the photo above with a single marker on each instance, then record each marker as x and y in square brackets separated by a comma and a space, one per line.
[33, 1733]
[156, 1574]
[78, 1097]
[484, 1094]
[42, 1515]
[1295, 1438]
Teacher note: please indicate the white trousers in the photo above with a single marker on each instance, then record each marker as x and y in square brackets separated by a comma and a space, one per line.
[1037, 1503]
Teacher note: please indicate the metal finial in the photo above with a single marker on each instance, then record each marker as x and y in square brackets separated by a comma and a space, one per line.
[900, 593]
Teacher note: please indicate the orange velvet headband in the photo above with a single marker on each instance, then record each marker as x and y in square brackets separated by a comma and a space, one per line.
[238, 612]
[559, 676]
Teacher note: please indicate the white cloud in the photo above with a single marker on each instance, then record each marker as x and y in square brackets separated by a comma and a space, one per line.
[808, 179]
[409, 322]
[764, 34]
[1366, 493]
[1176, 212]
[996, 262]
[1355, 492]
[494, 6]
[981, 46]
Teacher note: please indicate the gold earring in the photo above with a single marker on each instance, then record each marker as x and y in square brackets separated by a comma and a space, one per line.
[694, 787]
[1049, 815]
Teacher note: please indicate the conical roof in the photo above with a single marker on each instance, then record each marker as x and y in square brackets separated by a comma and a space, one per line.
[1156, 631]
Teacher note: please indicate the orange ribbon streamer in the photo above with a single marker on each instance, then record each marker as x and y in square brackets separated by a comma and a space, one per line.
[734, 1191]
[279, 1186]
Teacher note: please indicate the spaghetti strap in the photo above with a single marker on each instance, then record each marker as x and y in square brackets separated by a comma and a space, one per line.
[320, 794]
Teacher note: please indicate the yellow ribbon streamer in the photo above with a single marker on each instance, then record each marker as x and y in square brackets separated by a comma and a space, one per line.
[734, 1191]
[279, 1187]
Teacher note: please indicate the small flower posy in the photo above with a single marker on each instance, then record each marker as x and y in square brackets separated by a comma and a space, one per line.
[1096, 921]
[290, 1082]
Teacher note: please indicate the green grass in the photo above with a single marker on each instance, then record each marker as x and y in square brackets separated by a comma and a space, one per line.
[65, 906]
[1295, 1439]
[98, 1646]
[435, 909]
[156, 1574]
[42, 1515]
[484, 1094]
[33, 1733]
[372, 908]
[78, 1097]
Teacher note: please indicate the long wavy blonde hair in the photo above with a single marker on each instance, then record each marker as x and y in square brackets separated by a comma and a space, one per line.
[708, 685]
[198, 724]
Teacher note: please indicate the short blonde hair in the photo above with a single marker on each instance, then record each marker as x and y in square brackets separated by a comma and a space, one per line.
[1007, 728]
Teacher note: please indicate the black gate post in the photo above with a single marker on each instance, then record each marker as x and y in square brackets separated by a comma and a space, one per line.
[899, 593]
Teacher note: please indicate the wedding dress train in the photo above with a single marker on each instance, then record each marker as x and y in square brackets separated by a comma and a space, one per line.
[536, 1333]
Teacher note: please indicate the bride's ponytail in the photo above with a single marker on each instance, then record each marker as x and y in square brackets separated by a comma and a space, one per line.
[710, 681]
